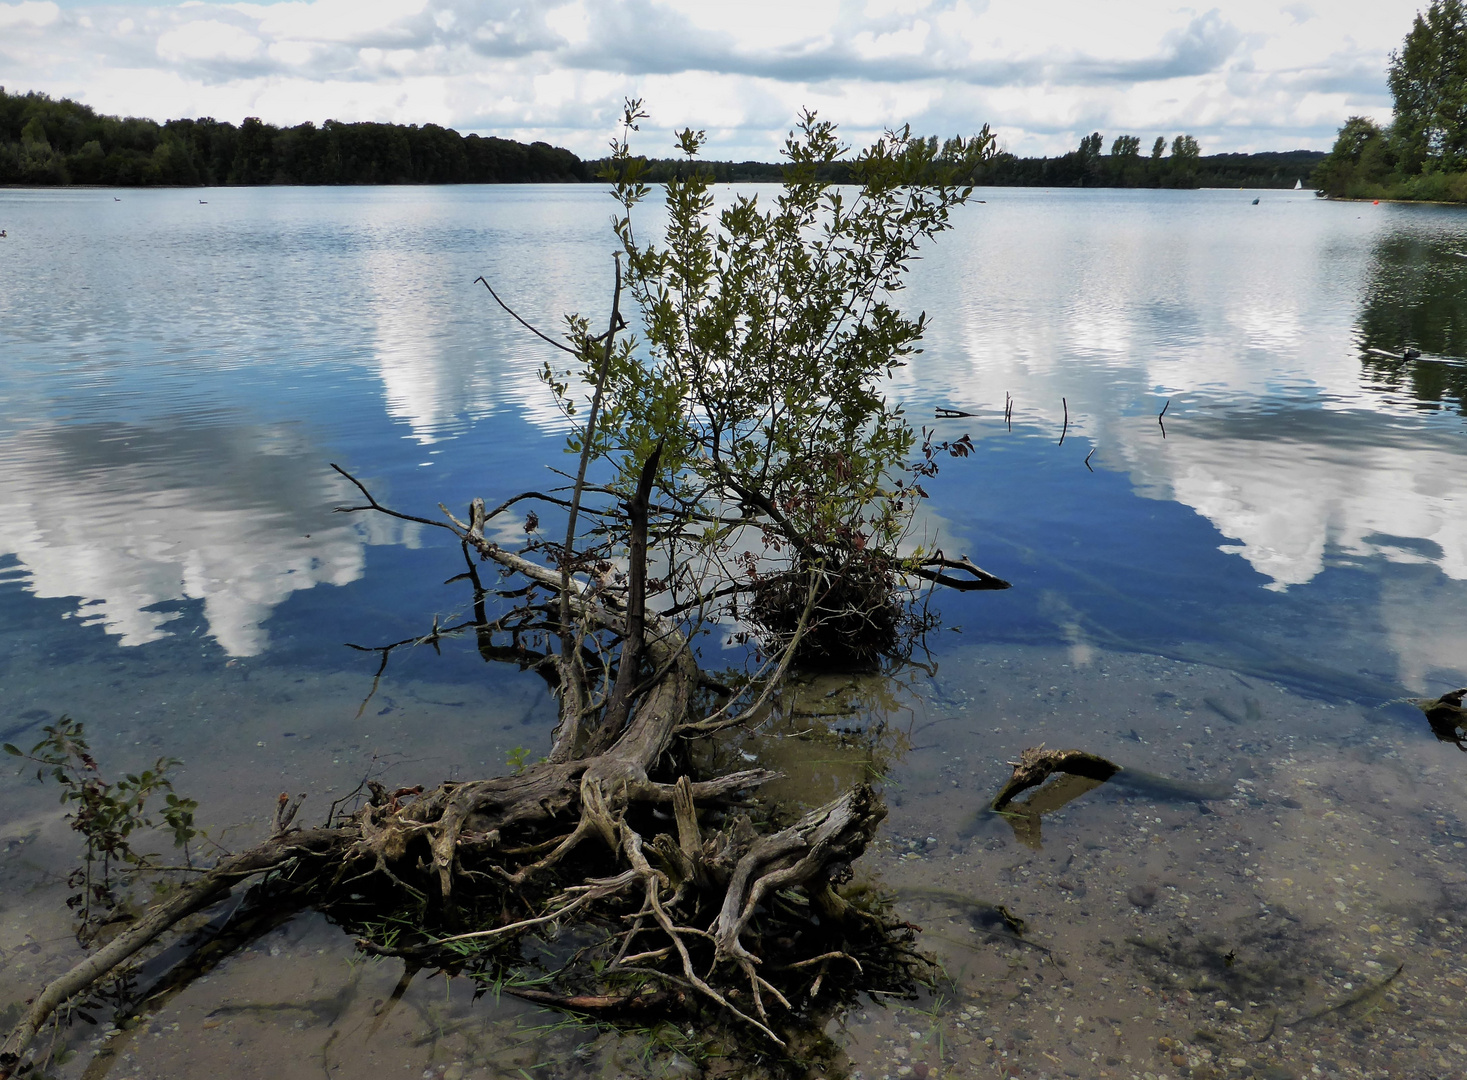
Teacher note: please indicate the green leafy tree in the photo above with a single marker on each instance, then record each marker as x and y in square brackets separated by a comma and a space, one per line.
[769, 331]
[1428, 80]
[1158, 148]
[1359, 161]
[1126, 146]
[1180, 169]
[34, 133]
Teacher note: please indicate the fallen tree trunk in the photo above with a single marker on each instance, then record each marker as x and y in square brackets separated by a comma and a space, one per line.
[690, 892]
[208, 890]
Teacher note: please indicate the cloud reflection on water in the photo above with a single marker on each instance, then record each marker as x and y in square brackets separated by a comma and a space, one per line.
[1301, 488]
[1298, 482]
[1249, 321]
[130, 518]
[1336, 475]
[446, 354]
[1249, 318]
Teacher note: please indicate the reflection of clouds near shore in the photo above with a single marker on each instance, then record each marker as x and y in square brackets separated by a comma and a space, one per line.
[130, 518]
[1271, 435]
[1351, 483]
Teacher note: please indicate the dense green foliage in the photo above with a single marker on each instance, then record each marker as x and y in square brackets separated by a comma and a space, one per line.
[1361, 163]
[1125, 166]
[49, 142]
[45, 142]
[769, 331]
[1428, 80]
[1422, 154]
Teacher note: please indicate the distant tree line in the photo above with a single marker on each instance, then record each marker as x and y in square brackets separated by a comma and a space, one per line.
[1091, 166]
[1178, 165]
[661, 170]
[943, 157]
[1422, 153]
[1125, 166]
[46, 142]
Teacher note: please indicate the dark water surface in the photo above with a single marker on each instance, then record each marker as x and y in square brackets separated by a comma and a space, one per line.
[1228, 596]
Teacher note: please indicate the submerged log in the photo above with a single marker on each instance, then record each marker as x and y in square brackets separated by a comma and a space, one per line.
[1036, 765]
[1447, 717]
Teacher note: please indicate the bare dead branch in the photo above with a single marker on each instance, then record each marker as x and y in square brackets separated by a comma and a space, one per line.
[373, 504]
[513, 314]
[980, 579]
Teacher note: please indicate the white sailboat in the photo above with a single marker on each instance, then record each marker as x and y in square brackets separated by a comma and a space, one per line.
[1298, 184]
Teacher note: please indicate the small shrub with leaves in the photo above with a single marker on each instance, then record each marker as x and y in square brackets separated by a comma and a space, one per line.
[110, 815]
[769, 336]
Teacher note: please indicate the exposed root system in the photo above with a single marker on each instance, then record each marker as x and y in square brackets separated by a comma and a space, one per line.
[656, 890]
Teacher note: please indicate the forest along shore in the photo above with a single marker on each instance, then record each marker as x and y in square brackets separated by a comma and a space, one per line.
[46, 142]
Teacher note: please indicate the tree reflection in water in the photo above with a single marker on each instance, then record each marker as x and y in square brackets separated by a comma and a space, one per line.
[1416, 302]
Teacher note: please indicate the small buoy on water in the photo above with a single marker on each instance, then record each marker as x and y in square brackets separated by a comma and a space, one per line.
[1376, 203]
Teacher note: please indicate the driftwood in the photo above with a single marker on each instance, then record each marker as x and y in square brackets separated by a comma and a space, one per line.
[1446, 716]
[692, 893]
[1036, 765]
[1080, 772]
[977, 579]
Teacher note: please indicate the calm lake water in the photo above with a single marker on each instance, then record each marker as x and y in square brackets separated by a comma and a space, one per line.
[1228, 595]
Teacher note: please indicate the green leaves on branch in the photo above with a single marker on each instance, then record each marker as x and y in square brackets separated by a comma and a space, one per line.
[1428, 79]
[108, 814]
[770, 328]
[1422, 154]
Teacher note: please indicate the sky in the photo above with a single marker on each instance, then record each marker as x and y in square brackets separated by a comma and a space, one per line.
[1242, 75]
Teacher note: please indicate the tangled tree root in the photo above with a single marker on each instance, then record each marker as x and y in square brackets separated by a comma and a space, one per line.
[672, 894]
[669, 917]
[852, 623]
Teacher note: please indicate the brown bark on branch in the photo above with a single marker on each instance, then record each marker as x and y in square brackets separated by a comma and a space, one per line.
[508, 837]
[207, 890]
[1036, 765]
[977, 579]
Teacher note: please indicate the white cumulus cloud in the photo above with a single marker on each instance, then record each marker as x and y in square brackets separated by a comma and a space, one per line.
[28, 13]
[208, 40]
[1238, 75]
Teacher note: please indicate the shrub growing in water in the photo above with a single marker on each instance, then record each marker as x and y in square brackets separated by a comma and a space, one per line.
[768, 332]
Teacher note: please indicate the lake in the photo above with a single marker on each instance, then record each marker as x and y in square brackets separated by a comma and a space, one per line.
[1233, 512]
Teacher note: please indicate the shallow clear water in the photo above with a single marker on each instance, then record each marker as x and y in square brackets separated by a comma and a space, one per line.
[1227, 595]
